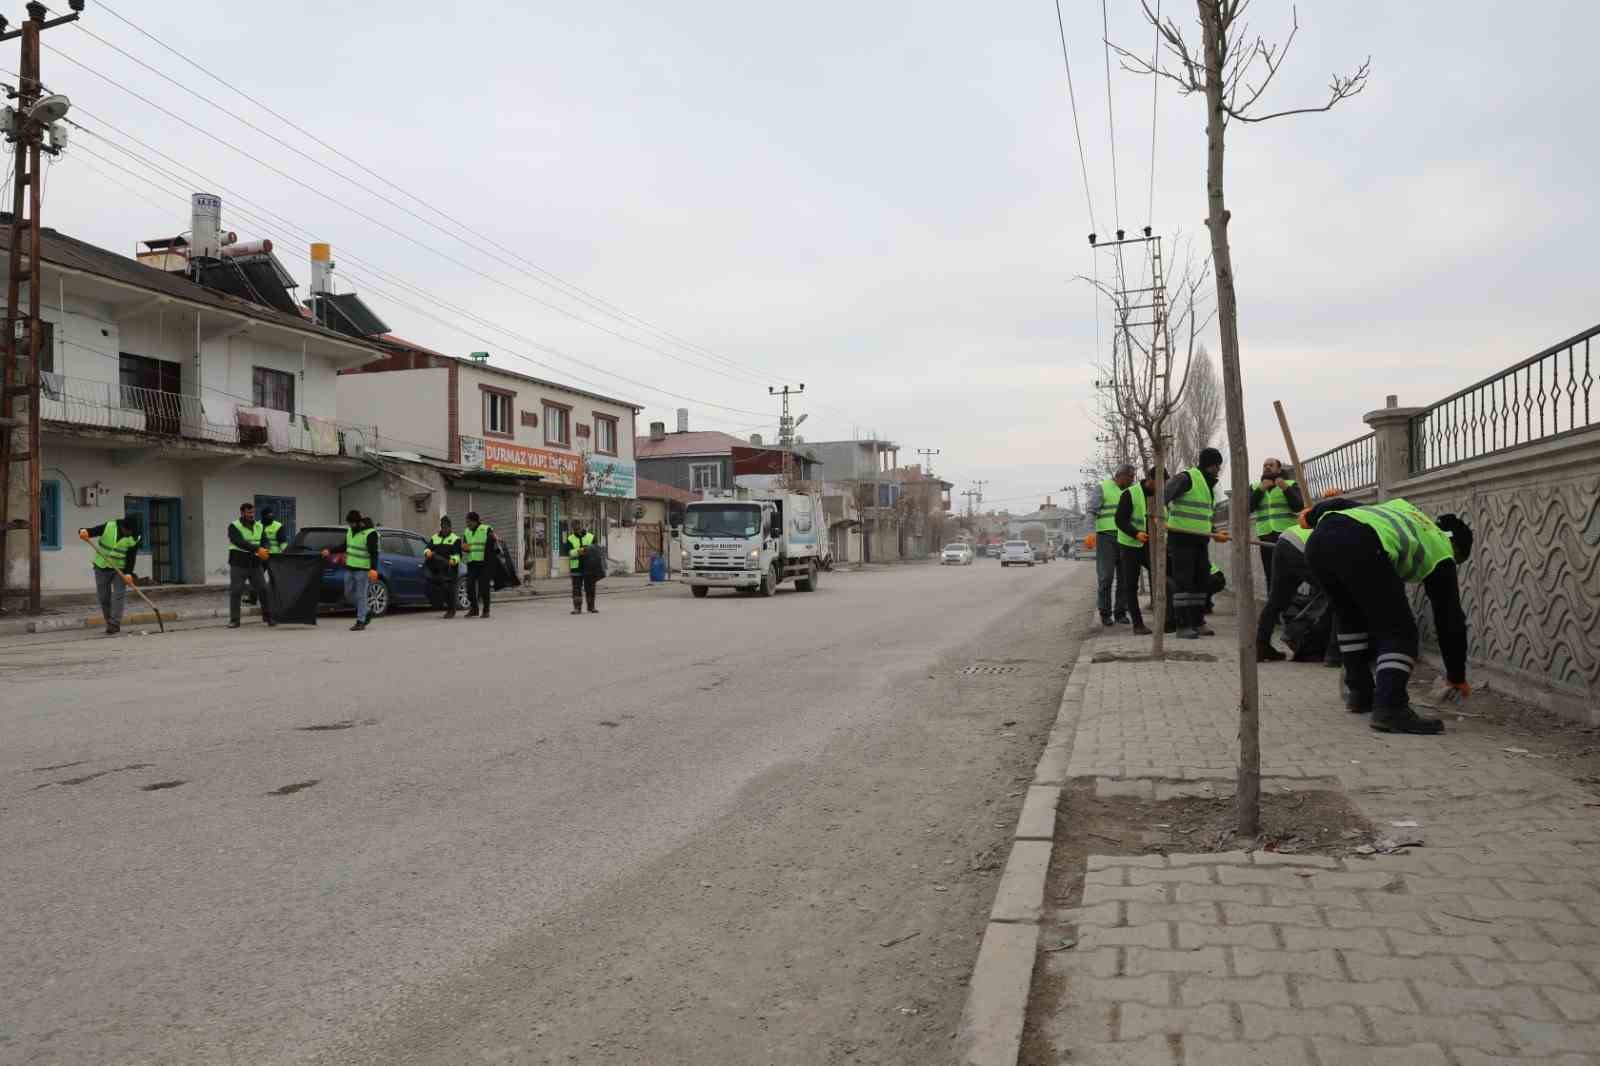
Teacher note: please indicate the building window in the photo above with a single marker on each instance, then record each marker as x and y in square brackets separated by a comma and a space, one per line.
[499, 420]
[141, 372]
[704, 476]
[605, 434]
[557, 424]
[273, 389]
[50, 515]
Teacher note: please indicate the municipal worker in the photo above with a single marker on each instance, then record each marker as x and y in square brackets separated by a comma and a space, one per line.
[1133, 536]
[1103, 500]
[360, 563]
[1191, 502]
[479, 540]
[273, 539]
[443, 559]
[1275, 505]
[1365, 556]
[246, 556]
[116, 546]
[1288, 567]
[579, 542]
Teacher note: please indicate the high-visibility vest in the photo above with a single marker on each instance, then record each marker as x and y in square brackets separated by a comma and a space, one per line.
[1192, 511]
[111, 550]
[575, 547]
[356, 555]
[1139, 506]
[477, 542]
[251, 535]
[1410, 538]
[451, 544]
[270, 534]
[1105, 519]
[1274, 515]
[1296, 536]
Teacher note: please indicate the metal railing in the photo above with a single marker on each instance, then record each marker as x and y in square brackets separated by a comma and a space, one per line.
[152, 412]
[1348, 467]
[1546, 395]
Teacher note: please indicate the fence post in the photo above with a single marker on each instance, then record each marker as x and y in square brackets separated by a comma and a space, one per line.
[1391, 439]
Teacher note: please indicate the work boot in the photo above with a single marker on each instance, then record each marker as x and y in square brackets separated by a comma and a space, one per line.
[1141, 630]
[485, 613]
[233, 625]
[1266, 653]
[1355, 702]
[577, 610]
[1189, 634]
[472, 612]
[112, 629]
[1106, 621]
[1122, 619]
[1404, 720]
[1204, 630]
[358, 627]
[594, 610]
[451, 613]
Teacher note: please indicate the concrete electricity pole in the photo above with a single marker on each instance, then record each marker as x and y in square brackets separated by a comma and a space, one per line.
[927, 459]
[786, 424]
[25, 126]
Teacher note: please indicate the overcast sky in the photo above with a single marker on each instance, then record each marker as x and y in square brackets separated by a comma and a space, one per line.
[882, 201]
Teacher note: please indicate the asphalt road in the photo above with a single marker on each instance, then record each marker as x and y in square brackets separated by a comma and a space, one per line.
[733, 830]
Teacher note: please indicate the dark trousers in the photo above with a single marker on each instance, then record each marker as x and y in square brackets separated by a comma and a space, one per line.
[1288, 568]
[1105, 570]
[1129, 561]
[478, 586]
[240, 575]
[583, 590]
[1375, 628]
[1266, 557]
[1191, 576]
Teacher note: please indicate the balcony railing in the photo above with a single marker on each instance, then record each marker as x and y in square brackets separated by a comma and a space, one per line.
[1351, 466]
[170, 415]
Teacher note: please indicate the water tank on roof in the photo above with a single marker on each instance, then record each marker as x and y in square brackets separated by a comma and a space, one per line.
[205, 226]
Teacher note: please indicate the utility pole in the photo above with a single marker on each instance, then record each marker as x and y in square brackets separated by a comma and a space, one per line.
[927, 459]
[786, 424]
[980, 485]
[25, 126]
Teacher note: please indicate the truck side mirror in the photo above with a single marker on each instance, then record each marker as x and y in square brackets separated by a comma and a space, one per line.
[775, 527]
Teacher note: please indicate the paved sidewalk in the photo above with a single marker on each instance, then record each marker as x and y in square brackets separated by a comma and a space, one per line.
[1483, 947]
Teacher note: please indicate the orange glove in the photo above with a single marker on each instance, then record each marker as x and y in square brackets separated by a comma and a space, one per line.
[83, 535]
[427, 553]
[263, 554]
[326, 554]
[372, 575]
[1089, 541]
[1221, 536]
[1453, 691]
[1305, 518]
[127, 579]
[1143, 537]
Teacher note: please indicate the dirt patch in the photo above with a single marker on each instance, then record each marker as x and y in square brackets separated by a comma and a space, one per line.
[1146, 657]
[334, 727]
[161, 786]
[86, 778]
[289, 790]
[1305, 821]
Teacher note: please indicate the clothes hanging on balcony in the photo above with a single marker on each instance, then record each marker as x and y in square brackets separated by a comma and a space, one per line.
[277, 430]
[324, 435]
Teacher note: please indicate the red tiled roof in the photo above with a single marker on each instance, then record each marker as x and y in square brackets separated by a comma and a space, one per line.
[704, 442]
[654, 490]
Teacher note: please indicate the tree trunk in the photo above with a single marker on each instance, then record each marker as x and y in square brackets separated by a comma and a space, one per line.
[1156, 517]
[1248, 797]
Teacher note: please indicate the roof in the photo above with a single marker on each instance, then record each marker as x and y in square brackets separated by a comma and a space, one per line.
[701, 442]
[645, 489]
[72, 254]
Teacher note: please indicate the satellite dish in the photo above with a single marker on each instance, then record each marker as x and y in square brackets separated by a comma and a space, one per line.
[48, 109]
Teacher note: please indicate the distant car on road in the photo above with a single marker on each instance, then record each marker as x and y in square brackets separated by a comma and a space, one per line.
[1016, 553]
[1045, 552]
[956, 555]
[401, 580]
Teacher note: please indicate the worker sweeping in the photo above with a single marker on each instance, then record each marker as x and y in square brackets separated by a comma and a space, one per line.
[116, 546]
[1364, 556]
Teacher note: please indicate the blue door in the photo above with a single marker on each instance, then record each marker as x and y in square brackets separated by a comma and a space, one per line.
[159, 521]
[401, 564]
[283, 508]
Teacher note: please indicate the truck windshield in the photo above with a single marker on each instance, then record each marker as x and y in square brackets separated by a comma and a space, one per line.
[727, 520]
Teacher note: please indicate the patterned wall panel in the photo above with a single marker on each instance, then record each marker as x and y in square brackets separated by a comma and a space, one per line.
[1532, 587]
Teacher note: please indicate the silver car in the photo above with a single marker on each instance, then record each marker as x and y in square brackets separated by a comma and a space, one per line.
[1016, 553]
[956, 555]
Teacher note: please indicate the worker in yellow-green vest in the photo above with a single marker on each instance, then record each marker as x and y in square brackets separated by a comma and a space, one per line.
[1133, 534]
[116, 546]
[1103, 500]
[273, 538]
[247, 556]
[1365, 556]
[580, 544]
[479, 542]
[1191, 503]
[443, 565]
[1275, 505]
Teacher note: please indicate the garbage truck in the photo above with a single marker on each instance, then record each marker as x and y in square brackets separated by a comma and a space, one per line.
[752, 542]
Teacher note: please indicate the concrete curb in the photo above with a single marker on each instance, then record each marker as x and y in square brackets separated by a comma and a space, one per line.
[997, 995]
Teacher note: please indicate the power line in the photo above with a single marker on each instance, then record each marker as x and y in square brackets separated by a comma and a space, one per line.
[534, 270]
[1155, 89]
[1072, 97]
[1111, 120]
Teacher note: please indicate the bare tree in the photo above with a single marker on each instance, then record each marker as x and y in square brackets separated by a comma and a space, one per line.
[1199, 420]
[1150, 375]
[1233, 70]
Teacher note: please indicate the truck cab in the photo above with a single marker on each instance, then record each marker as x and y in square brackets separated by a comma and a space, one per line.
[751, 543]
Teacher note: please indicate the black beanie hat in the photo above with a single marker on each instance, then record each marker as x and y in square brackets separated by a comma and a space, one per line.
[1460, 534]
[1209, 457]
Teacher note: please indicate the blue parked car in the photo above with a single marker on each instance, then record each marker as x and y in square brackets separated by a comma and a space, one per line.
[402, 580]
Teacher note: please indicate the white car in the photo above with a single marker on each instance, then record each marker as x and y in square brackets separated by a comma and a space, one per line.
[1018, 552]
[956, 555]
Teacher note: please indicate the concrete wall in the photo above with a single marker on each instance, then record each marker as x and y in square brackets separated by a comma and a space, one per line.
[411, 408]
[531, 396]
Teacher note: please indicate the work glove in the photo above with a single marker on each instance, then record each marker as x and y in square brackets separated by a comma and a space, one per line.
[1142, 537]
[83, 535]
[1221, 536]
[1305, 518]
[1452, 692]
[326, 554]
[427, 553]
[372, 575]
[1089, 541]
[127, 579]
[263, 554]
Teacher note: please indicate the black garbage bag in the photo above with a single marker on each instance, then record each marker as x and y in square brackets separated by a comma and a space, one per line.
[1308, 625]
[594, 562]
[296, 587]
[502, 574]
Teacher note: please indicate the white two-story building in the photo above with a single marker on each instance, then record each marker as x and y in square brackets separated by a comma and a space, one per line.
[171, 400]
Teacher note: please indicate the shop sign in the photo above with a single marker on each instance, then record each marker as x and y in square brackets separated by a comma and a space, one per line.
[610, 477]
[559, 468]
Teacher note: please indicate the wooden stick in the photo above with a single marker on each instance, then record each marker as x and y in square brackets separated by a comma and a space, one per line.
[148, 602]
[1306, 496]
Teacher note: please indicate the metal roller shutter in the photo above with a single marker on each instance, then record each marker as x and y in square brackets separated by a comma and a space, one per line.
[496, 509]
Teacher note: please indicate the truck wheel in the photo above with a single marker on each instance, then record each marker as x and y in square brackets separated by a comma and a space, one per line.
[700, 591]
[809, 582]
[769, 581]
